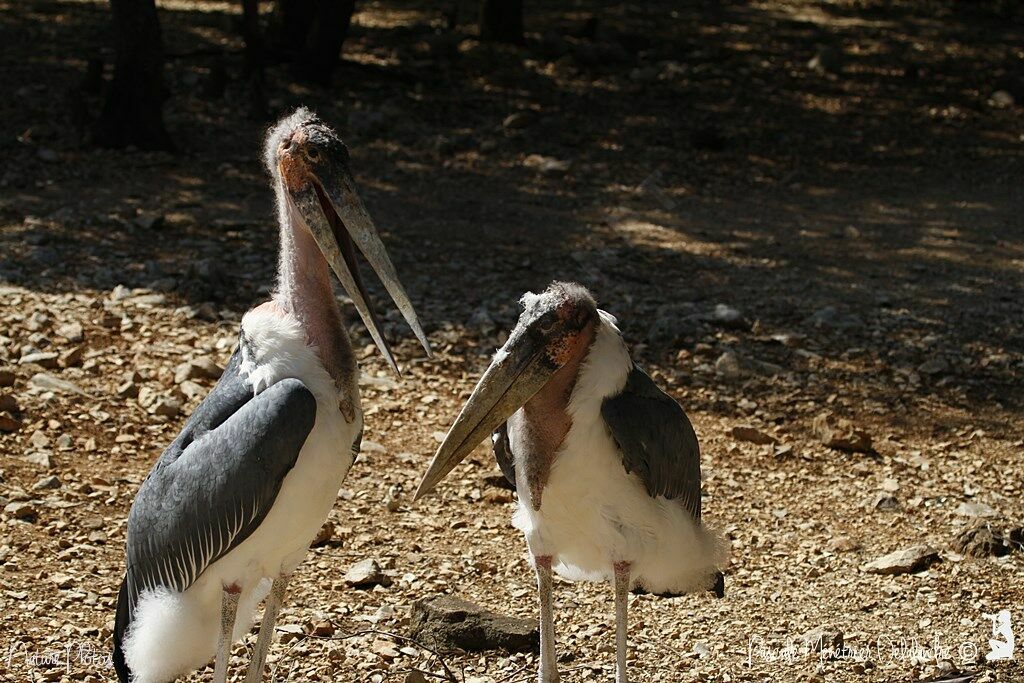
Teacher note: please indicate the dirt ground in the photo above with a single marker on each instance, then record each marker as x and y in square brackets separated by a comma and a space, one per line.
[780, 240]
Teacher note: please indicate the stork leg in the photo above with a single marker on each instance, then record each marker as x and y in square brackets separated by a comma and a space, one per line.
[548, 672]
[259, 657]
[228, 608]
[621, 606]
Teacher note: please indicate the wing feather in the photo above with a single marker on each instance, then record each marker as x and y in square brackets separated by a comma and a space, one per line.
[194, 506]
[656, 439]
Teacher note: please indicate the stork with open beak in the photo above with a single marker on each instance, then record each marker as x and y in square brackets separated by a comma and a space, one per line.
[231, 506]
[606, 465]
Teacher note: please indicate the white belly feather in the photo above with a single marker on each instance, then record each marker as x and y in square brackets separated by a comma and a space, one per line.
[174, 632]
[594, 513]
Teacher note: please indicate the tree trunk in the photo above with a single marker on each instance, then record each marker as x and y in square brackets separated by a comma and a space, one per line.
[313, 31]
[501, 21]
[133, 111]
[253, 38]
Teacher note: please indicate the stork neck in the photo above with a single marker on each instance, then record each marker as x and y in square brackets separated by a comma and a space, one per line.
[304, 290]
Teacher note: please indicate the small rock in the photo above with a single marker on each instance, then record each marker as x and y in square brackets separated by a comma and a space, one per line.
[62, 581]
[21, 510]
[547, 166]
[449, 622]
[828, 59]
[197, 368]
[843, 544]
[482, 321]
[884, 501]
[729, 317]
[41, 458]
[71, 357]
[72, 331]
[9, 423]
[46, 359]
[6, 377]
[368, 446]
[415, 676]
[751, 435]
[518, 120]
[9, 403]
[973, 509]
[933, 366]
[119, 293]
[365, 574]
[324, 536]
[166, 407]
[130, 389]
[728, 366]
[651, 186]
[823, 639]
[39, 439]
[50, 482]
[47, 382]
[324, 629]
[841, 435]
[149, 220]
[1002, 99]
[913, 559]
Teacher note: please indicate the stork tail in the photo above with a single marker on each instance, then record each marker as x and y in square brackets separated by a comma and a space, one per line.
[120, 626]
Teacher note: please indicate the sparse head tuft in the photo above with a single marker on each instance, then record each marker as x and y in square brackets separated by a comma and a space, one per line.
[562, 296]
[301, 132]
[563, 315]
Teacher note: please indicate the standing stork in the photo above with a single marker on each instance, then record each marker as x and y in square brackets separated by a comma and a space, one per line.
[606, 466]
[231, 506]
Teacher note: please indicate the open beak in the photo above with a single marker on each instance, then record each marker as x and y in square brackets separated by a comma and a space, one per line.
[340, 224]
[518, 371]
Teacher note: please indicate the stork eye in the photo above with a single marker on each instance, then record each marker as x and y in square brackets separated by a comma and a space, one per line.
[313, 154]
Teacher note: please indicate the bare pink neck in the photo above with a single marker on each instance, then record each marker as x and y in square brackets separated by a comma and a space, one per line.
[304, 290]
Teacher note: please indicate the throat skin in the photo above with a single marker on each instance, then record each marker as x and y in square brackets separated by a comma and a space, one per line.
[304, 290]
[539, 428]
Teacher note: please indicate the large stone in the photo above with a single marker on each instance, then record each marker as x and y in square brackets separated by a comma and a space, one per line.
[983, 539]
[913, 559]
[449, 622]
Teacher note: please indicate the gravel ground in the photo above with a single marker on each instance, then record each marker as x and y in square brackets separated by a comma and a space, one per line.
[807, 217]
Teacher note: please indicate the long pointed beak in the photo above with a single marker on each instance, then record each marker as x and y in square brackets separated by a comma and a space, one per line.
[518, 371]
[350, 224]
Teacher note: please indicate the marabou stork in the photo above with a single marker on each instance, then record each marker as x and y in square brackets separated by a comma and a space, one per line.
[606, 465]
[231, 506]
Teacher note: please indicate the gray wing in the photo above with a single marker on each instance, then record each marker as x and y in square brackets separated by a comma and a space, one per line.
[503, 453]
[215, 483]
[657, 441]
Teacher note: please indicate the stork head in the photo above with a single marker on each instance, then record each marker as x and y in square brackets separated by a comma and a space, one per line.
[555, 329]
[310, 165]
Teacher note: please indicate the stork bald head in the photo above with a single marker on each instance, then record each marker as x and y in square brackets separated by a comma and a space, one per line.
[316, 190]
[555, 328]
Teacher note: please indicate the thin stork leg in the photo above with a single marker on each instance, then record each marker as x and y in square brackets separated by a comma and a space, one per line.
[259, 657]
[621, 605]
[548, 672]
[228, 608]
